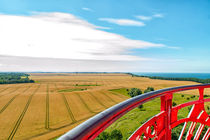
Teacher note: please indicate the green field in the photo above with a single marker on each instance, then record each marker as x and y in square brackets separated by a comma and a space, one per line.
[86, 85]
[123, 91]
[70, 90]
[136, 117]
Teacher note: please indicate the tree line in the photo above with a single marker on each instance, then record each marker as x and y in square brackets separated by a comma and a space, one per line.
[203, 81]
[136, 91]
[13, 78]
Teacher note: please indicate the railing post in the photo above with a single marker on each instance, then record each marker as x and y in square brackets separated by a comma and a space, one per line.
[166, 105]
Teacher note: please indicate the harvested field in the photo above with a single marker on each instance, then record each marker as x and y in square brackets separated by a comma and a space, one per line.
[58, 102]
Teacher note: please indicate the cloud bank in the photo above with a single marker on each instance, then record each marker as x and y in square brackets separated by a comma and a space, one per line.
[63, 42]
[62, 35]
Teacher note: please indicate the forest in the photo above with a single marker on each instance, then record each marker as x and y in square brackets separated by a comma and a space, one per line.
[13, 78]
[203, 81]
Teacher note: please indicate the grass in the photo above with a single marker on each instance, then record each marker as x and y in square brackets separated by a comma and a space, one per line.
[86, 85]
[123, 91]
[55, 138]
[23, 77]
[136, 117]
[71, 90]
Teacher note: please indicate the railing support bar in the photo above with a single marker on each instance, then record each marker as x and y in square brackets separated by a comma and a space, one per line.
[166, 105]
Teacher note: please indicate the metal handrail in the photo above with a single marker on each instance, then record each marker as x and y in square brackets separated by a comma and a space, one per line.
[91, 128]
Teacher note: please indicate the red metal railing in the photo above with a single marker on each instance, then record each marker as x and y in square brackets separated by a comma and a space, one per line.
[158, 127]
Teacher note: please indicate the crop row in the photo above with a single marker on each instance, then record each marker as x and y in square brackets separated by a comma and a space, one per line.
[10, 101]
[17, 124]
[4, 89]
[10, 91]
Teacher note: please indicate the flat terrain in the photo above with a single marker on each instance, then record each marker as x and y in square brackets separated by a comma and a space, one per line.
[58, 102]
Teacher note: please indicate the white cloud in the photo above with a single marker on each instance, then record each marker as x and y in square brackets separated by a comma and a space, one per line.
[62, 35]
[158, 15]
[123, 22]
[144, 17]
[172, 47]
[87, 9]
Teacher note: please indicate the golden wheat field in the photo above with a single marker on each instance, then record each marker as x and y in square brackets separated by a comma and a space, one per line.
[57, 102]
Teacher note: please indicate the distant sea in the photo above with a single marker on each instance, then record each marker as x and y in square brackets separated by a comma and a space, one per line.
[176, 75]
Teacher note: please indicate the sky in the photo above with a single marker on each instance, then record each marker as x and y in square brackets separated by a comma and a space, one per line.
[105, 35]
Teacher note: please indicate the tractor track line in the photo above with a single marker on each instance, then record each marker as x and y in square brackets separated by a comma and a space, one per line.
[118, 94]
[47, 120]
[11, 100]
[71, 115]
[85, 104]
[54, 129]
[4, 89]
[109, 97]
[10, 91]
[12, 134]
[97, 100]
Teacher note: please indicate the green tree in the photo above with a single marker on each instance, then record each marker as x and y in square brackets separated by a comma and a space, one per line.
[149, 89]
[140, 106]
[11, 78]
[174, 104]
[134, 92]
[104, 136]
[116, 135]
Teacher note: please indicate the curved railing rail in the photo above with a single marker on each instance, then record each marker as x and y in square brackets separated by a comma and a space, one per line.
[159, 126]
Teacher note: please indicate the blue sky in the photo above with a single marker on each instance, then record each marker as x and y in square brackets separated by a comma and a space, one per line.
[179, 29]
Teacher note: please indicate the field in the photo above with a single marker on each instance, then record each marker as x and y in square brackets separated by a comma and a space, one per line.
[57, 102]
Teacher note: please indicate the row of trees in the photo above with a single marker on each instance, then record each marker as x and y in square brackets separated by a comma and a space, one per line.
[136, 91]
[204, 81]
[12, 78]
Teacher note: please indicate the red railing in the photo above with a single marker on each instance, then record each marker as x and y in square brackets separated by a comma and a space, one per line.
[158, 127]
